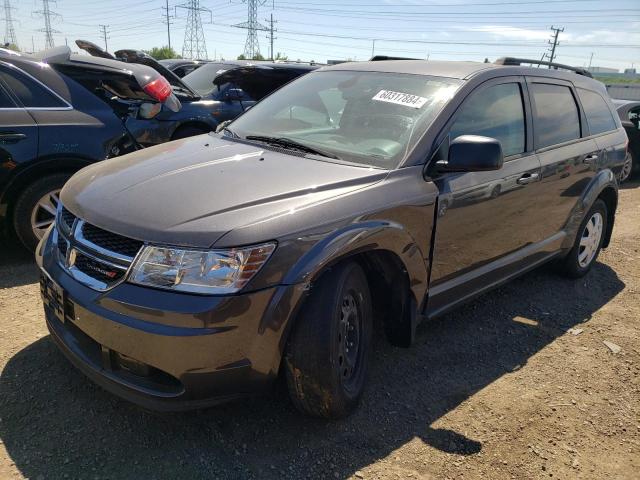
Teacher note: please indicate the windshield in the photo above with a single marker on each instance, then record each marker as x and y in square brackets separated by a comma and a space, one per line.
[201, 80]
[370, 118]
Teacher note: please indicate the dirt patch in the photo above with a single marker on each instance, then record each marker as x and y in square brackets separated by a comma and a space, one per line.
[517, 384]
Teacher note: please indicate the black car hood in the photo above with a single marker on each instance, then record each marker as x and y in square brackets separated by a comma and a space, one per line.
[191, 192]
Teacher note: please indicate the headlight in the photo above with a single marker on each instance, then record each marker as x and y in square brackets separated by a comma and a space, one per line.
[199, 271]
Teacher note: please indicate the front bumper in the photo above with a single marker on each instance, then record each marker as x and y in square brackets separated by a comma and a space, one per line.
[165, 350]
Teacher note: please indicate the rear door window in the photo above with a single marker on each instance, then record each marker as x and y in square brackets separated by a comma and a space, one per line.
[495, 112]
[30, 93]
[556, 117]
[599, 116]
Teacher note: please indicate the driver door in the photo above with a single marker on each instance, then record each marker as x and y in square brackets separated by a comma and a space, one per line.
[487, 221]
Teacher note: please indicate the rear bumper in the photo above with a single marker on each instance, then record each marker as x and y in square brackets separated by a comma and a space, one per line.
[169, 351]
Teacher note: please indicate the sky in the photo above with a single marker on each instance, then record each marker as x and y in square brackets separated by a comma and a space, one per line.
[354, 29]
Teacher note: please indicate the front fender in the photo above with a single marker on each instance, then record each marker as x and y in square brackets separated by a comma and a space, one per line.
[359, 238]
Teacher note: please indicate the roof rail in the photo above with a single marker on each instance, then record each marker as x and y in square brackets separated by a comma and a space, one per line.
[380, 58]
[520, 61]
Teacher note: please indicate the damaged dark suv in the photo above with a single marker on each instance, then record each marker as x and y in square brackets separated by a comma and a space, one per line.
[199, 271]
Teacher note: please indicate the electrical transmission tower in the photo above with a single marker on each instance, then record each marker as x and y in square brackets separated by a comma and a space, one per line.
[194, 45]
[554, 43]
[47, 14]
[9, 31]
[251, 46]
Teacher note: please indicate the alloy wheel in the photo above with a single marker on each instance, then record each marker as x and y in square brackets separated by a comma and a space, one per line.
[626, 168]
[590, 240]
[44, 213]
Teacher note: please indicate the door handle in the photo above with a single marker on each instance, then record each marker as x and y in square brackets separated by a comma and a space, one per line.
[11, 137]
[527, 178]
[589, 159]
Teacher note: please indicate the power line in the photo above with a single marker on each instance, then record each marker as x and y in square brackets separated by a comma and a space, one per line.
[9, 31]
[194, 45]
[252, 46]
[46, 14]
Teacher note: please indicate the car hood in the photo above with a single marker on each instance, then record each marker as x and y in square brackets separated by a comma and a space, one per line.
[192, 191]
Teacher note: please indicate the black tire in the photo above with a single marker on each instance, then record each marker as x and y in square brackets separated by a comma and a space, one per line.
[319, 377]
[571, 265]
[27, 202]
[188, 131]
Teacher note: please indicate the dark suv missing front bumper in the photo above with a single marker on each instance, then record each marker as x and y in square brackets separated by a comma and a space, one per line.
[165, 350]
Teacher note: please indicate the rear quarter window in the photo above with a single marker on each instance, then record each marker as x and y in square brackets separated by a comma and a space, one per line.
[599, 117]
[556, 117]
[30, 93]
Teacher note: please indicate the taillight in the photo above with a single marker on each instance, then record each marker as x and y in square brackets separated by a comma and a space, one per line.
[160, 89]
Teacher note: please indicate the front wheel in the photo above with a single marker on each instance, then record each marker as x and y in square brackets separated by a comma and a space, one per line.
[588, 242]
[35, 209]
[327, 356]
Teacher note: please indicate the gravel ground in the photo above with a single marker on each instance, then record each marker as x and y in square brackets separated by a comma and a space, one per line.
[517, 384]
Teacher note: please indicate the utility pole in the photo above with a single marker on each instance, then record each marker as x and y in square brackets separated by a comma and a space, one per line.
[9, 31]
[555, 43]
[46, 14]
[194, 45]
[251, 46]
[590, 60]
[373, 47]
[103, 29]
[270, 36]
[167, 20]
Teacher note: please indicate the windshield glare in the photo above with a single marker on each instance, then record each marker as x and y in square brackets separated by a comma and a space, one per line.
[201, 79]
[371, 118]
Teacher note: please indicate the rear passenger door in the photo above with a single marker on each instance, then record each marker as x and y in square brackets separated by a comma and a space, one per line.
[567, 158]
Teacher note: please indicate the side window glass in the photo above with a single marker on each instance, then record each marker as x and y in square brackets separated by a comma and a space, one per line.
[599, 116]
[5, 100]
[30, 93]
[556, 117]
[495, 112]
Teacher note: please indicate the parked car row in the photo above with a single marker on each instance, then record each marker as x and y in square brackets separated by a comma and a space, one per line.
[629, 112]
[355, 201]
[62, 111]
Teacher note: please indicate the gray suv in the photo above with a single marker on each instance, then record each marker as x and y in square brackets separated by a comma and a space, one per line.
[356, 201]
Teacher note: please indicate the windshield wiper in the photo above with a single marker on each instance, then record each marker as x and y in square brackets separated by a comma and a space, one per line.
[291, 144]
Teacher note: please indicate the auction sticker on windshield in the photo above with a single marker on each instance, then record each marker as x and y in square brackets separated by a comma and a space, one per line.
[399, 98]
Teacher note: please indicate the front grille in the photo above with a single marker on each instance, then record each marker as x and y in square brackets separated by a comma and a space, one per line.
[97, 270]
[95, 257]
[111, 241]
[67, 218]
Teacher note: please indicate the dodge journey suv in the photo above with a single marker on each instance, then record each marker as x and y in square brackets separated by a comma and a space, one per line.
[198, 271]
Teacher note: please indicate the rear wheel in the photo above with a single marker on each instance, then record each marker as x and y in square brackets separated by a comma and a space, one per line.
[627, 168]
[327, 356]
[588, 242]
[35, 209]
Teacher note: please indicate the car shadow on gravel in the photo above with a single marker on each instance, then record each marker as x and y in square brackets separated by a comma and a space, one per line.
[55, 423]
[17, 264]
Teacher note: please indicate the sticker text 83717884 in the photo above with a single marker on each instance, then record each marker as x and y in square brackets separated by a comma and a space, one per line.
[399, 98]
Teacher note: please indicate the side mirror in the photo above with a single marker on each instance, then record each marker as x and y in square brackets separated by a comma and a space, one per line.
[473, 153]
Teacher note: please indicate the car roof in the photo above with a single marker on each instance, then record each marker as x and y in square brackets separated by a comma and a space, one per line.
[460, 70]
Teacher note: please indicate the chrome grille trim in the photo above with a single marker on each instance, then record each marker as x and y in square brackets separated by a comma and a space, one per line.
[76, 243]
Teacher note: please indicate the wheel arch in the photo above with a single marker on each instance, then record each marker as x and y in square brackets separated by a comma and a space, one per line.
[395, 268]
[603, 186]
[32, 172]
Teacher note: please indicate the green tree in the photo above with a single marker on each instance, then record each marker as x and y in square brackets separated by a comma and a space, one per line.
[12, 46]
[258, 56]
[160, 53]
[242, 57]
[281, 56]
